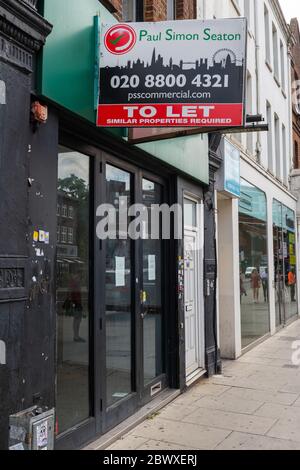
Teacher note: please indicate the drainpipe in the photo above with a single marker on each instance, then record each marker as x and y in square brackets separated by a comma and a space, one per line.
[258, 81]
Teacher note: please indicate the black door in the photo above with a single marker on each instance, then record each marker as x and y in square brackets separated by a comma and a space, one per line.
[152, 293]
[111, 307]
[133, 329]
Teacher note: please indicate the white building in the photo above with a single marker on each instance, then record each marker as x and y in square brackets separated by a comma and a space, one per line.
[257, 232]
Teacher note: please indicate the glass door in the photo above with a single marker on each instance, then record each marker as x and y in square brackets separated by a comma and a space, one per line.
[73, 404]
[278, 275]
[119, 306]
[153, 365]
[133, 293]
[285, 281]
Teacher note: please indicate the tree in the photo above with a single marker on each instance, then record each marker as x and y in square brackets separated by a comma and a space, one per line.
[74, 186]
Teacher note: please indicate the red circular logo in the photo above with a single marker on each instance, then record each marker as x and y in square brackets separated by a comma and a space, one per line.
[120, 39]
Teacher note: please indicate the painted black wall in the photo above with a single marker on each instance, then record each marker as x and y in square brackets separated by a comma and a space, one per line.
[212, 351]
[28, 177]
[13, 232]
[22, 324]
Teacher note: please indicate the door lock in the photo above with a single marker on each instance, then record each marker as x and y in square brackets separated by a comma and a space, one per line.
[143, 296]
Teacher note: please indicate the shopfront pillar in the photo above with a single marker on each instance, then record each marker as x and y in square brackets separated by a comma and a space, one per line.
[229, 279]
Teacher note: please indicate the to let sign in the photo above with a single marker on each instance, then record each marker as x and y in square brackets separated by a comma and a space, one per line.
[173, 74]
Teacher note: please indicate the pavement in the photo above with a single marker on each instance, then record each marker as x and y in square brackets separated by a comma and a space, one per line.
[255, 404]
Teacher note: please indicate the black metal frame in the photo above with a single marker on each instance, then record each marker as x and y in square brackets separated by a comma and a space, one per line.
[145, 391]
[102, 419]
[89, 427]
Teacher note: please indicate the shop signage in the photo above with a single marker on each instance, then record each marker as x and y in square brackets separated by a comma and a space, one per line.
[173, 74]
[228, 180]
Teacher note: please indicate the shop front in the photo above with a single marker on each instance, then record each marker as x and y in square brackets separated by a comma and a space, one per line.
[121, 301]
[253, 252]
[285, 263]
[258, 285]
[113, 313]
[130, 309]
[130, 305]
[119, 321]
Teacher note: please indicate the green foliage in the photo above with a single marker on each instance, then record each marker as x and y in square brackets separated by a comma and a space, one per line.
[74, 186]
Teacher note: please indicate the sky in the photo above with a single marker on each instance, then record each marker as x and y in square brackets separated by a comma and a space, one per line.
[291, 9]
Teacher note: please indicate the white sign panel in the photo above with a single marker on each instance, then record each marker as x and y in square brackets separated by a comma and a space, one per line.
[120, 271]
[175, 73]
[151, 267]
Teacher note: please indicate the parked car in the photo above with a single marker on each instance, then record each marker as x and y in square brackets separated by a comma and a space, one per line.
[249, 271]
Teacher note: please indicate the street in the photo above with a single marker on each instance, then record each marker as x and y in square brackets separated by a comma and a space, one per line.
[255, 404]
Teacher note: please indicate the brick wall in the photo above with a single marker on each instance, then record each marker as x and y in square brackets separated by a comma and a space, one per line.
[185, 9]
[115, 6]
[155, 10]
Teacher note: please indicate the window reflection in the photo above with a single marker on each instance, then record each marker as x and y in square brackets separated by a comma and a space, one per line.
[72, 288]
[284, 236]
[118, 297]
[254, 276]
[152, 291]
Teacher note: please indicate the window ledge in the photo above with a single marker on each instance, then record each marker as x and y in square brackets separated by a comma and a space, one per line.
[277, 81]
[110, 7]
[250, 34]
[236, 6]
[269, 66]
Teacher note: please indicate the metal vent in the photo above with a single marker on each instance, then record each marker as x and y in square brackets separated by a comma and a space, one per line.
[156, 389]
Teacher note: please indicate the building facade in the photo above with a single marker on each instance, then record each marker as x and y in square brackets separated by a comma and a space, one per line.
[97, 329]
[295, 74]
[94, 329]
[257, 261]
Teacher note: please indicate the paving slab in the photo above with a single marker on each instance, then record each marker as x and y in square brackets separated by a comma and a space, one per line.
[232, 421]
[186, 434]
[158, 445]
[254, 404]
[273, 410]
[244, 441]
[297, 402]
[261, 395]
[129, 443]
[225, 403]
[288, 429]
[203, 389]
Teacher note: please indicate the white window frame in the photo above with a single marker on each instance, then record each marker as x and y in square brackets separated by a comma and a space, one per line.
[131, 10]
[64, 211]
[70, 235]
[267, 35]
[199, 230]
[171, 10]
[64, 234]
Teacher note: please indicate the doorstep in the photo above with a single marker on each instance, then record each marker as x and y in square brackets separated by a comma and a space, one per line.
[163, 399]
[195, 377]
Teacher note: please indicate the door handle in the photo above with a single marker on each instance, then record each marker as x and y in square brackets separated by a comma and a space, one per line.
[143, 315]
[143, 296]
